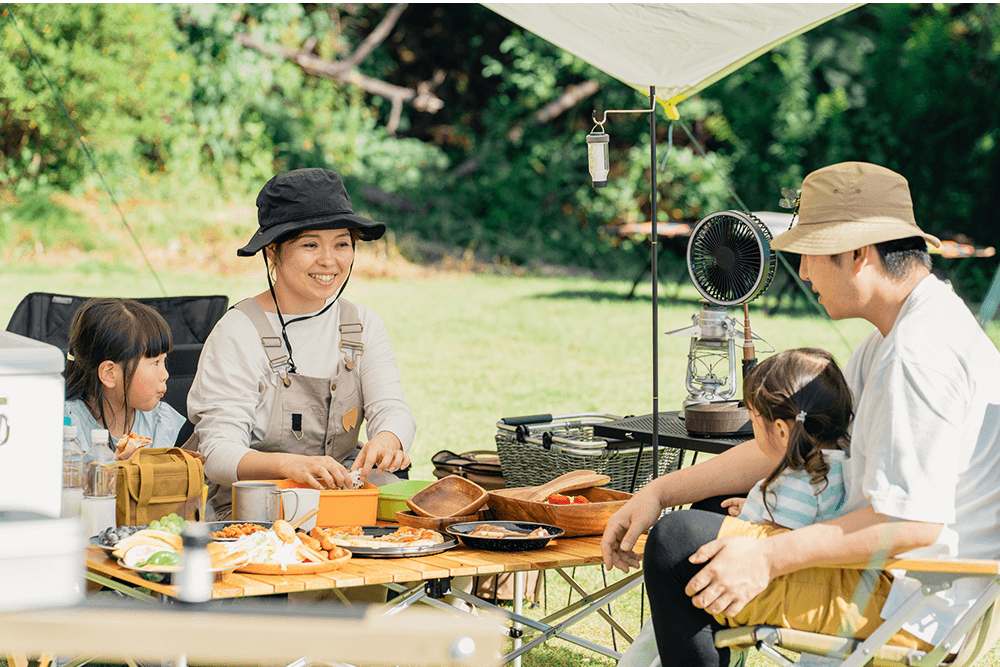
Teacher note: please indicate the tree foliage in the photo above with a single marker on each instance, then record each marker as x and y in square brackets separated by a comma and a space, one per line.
[120, 76]
[910, 87]
[453, 124]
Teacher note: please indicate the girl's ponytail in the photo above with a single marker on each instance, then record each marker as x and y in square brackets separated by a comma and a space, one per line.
[793, 382]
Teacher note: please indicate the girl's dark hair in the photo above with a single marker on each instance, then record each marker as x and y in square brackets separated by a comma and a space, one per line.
[108, 329]
[803, 380]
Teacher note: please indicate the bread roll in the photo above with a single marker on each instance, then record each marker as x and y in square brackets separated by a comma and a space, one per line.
[162, 535]
[284, 531]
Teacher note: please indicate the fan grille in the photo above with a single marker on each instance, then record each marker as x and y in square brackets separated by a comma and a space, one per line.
[730, 258]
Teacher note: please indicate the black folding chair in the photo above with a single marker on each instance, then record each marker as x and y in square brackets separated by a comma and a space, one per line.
[47, 317]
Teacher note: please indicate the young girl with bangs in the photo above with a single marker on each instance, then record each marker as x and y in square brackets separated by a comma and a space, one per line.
[801, 409]
[116, 372]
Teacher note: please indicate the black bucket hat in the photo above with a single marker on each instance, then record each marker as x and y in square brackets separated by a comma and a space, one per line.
[302, 199]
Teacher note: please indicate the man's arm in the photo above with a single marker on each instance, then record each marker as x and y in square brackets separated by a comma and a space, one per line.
[740, 568]
[734, 472]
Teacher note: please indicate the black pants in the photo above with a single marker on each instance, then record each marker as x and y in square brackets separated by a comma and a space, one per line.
[684, 633]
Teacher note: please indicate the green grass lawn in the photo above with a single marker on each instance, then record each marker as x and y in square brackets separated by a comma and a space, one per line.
[475, 348]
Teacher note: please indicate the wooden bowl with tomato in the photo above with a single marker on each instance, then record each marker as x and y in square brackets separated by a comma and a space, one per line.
[579, 513]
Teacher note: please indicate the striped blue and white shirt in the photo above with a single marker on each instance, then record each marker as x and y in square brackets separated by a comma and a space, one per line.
[794, 501]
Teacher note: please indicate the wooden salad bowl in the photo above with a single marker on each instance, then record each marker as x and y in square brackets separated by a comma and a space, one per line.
[577, 520]
[449, 496]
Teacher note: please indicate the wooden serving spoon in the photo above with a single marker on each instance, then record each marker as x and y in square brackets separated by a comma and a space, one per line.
[305, 517]
[571, 481]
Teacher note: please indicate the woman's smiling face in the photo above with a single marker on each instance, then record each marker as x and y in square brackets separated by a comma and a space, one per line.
[311, 268]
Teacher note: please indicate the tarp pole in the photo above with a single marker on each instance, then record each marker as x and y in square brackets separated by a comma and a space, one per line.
[656, 296]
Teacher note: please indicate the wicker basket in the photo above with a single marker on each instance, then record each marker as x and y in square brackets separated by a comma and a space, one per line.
[536, 449]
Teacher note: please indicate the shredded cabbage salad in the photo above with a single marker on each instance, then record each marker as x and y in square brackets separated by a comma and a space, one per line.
[266, 547]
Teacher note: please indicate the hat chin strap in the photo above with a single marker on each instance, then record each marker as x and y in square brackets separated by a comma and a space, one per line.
[284, 325]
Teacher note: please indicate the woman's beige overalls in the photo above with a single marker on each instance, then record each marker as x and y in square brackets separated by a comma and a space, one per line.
[311, 416]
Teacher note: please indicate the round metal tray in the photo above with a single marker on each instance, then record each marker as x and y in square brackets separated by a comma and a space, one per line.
[511, 543]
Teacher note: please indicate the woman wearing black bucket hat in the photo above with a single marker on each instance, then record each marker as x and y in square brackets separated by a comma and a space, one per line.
[287, 377]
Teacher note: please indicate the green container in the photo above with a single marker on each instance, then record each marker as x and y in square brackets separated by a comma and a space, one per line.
[392, 497]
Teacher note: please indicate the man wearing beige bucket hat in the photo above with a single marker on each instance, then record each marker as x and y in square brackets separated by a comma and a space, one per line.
[925, 448]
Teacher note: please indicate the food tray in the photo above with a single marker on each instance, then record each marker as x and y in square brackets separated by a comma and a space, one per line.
[534, 450]
[398, 552]
[341, 507]
[296, 568]
[526, 543]
[577, 520]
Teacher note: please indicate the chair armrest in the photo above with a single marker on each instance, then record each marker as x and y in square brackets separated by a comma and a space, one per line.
[970, 566]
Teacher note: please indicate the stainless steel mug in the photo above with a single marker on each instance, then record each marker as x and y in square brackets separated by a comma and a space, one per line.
[256, 501]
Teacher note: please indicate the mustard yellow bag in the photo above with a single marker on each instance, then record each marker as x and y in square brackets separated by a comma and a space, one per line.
[156, 482]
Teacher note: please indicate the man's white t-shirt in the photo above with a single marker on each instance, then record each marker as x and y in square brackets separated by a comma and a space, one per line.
[925, 444]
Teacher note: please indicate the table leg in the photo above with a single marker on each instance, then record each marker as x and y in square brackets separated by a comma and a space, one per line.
[579, 610]
[604, 614]
[638, 279]
[518, 608]
[407, 597]
[120, 587]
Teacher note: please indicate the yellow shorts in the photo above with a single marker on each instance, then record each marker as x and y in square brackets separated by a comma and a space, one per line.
[824, 600]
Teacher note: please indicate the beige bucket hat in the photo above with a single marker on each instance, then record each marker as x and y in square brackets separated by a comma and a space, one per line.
[850, 205]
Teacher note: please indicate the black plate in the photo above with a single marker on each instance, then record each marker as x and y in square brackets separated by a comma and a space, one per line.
[513, 543]
[398, 552]
[215, 526]
[95, 541]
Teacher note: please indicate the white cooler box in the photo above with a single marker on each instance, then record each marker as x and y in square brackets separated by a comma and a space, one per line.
[41, 556]
[41, 561]
[31, 420]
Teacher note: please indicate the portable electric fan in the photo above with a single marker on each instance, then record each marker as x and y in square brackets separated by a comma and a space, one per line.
[731, 263]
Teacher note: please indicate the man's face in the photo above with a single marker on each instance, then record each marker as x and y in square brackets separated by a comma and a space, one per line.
[833, 281]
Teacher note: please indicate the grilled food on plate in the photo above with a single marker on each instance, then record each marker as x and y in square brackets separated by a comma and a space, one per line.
[281, 545]
[354, 536]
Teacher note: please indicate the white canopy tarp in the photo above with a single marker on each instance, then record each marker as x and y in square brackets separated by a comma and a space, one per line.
[679, 48]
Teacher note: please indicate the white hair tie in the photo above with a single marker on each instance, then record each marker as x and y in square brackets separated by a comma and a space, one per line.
[801, 417]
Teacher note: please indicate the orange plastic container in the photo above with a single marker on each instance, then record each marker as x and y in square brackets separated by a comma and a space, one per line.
[342, 507]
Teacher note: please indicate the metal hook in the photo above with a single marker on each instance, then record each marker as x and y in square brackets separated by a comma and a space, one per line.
[604, 118]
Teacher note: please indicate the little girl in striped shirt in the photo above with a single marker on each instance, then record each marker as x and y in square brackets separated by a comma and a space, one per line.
[801, 409]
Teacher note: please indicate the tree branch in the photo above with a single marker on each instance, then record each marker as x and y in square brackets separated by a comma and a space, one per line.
[572, 96]
[422, 100]
[376, 37]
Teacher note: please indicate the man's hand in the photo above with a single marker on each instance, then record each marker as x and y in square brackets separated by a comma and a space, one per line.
[738, 570]
[624, 529]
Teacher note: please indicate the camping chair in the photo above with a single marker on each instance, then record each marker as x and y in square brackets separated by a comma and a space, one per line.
[47, 317]
[980, 625]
